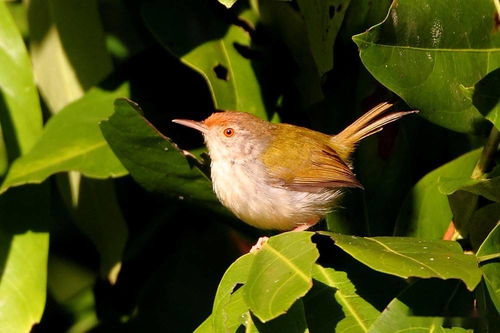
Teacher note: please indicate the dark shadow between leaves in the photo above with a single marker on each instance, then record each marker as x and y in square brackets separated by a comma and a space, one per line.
[323, 312]
[8, 131]
[487, 92]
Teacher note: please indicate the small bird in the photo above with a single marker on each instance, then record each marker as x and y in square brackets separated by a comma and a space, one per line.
[281, 176]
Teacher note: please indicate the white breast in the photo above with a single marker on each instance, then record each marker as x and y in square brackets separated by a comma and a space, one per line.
[241, 187]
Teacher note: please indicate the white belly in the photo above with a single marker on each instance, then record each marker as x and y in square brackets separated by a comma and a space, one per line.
[241, 187]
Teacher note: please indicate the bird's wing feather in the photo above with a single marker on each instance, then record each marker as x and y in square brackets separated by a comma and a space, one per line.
[307, 163]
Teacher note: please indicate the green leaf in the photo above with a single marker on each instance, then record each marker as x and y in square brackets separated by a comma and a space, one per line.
[24, 246]
[152, 159]
[356, 314]
[229, 306]
[67, 49]
[322, 20]
[486, 97]
[426, 212]
[280, 274]
[72, 141]
[412, 310]
[488, 188]
[212, 50]
[228, 3]
[407, 257]
[431, 55]
[491, 269]
[20, 113]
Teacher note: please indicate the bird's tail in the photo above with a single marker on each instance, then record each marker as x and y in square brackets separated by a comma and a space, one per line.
[370, 123]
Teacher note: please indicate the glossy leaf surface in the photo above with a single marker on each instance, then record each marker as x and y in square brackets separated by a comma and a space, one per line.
[280, 274]
[431, 55]
[152, 159]
[72, 141]
[407, 257]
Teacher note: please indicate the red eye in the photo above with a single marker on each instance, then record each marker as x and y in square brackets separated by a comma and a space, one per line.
[229, 132]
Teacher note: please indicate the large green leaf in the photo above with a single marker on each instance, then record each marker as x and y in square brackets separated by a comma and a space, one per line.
[426, 212]
[24, 212]
[322, 20]
[280, 274]
[152, 159]
[24, 247]
[406, 257]
[20, 115]
[194, 32]
[356, 314]
[491, 269]
[67, 49]
[72, 141]
[431, 56]
[422, 307]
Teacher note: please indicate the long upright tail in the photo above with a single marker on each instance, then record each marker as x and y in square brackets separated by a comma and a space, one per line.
[370, 123]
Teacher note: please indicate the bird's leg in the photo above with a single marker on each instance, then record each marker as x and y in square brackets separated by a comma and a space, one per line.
[305, 226]
[301, 227]
[260, 243]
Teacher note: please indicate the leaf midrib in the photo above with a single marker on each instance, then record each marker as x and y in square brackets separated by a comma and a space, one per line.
[426, 49]
[11, 180]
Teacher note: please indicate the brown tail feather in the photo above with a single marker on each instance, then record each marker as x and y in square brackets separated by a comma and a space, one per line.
[368, 124]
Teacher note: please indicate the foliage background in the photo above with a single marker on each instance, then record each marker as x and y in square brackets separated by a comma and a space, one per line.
[106, 226]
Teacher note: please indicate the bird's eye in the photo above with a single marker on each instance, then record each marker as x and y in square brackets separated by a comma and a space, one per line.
[229, 132]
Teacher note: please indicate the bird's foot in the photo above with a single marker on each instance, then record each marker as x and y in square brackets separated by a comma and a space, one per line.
[260, 243]
[305, 226]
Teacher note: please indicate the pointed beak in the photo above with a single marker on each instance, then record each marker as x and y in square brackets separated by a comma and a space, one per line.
[197, 125]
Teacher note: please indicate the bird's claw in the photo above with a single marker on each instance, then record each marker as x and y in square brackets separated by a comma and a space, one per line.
[260, 243]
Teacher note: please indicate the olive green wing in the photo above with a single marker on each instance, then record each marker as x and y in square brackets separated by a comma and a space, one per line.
[307, 163]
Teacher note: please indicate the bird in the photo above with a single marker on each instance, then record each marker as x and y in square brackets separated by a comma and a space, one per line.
[281, 176]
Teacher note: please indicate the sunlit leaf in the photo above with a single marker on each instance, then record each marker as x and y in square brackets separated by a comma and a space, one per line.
[24, 239]
[67, 49]
[229, 304]
[228, 3]
[72, 141]
[20, 113]
[431, 56]
[406, 257]
[280, 274]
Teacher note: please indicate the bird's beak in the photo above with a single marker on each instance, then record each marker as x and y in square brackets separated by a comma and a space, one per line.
[197, 125]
